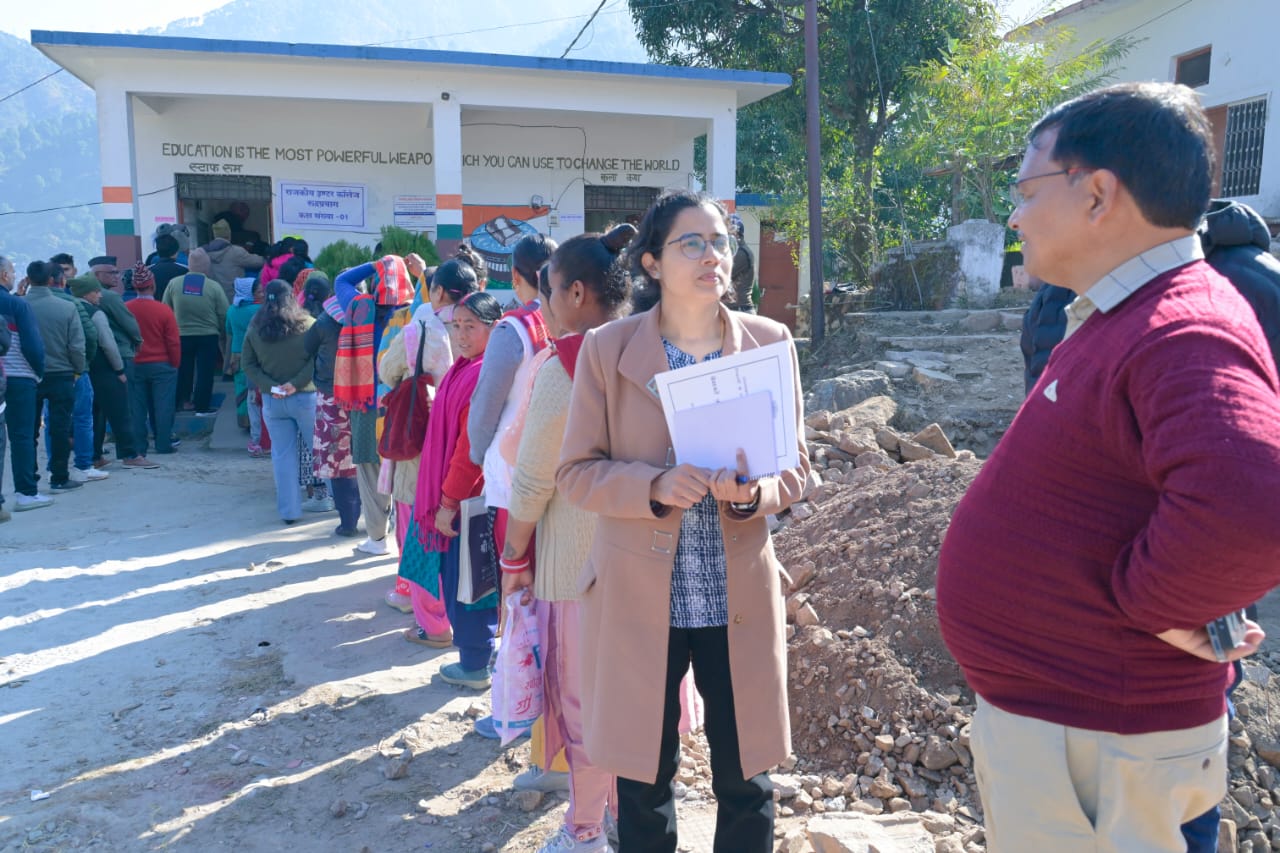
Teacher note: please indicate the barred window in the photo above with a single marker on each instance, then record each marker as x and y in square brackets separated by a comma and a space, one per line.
[1242, 148]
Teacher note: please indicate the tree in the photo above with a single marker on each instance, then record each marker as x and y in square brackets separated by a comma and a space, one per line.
[865, 48]
[972, 109]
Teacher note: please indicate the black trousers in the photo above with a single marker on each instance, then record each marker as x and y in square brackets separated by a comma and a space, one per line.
[200, 355]
[111, 399]
[744, 814]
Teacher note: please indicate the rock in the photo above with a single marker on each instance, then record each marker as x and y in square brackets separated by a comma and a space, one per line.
[884, 743]
[948, 844]
[927, 378]
[939, 824]
[887, 439]
[916, 357]
[785, 785]
[875, 459]
[919, 490]
[857, 440]
[807, 616]
[872, 413]
[894, 369]
[488, 847]
[338, 808]
[937, 754]
[1011, 322]
[897, 804]
[241, 756]
[819, 420]
[1268, 751]
[801, 511]
[398, 768]
[527, 801]
[794, 842]
[884, 789]
[936, 440]
[850, 832]
[981, 321]
[841, 392]
[913, 452]
[802, 574]
[803, 803]
[1226, 834]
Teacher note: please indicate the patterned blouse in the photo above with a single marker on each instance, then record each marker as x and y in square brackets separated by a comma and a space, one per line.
[699, 590]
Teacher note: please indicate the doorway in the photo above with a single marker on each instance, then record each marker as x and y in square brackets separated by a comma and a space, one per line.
[244, 201]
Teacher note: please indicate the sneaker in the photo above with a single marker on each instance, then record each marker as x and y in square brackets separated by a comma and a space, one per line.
[87, 475]
[537, 779]
[318, 505]
[256, 451]
[175, 442]
[65, 486]
[564, 842]
[453, 673]
[346, 532]
[209, 413]
[376, 547]
[139, 462]
[396, 601]
[22, 503]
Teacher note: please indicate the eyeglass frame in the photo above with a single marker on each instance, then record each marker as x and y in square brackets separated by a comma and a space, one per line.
[731, 247]
[1015, 191]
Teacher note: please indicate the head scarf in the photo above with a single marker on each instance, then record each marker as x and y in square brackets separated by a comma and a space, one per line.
[392, 285]
[244, 291]
[300, 282]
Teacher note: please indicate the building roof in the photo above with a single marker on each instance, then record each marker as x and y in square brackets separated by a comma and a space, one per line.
[82, 55]
[1071, 15]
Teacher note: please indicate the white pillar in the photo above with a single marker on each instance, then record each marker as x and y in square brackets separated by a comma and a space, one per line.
[722, 157]
[446, 132]
[119, 187]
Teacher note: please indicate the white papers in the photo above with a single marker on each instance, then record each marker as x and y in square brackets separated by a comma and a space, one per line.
[746, 424]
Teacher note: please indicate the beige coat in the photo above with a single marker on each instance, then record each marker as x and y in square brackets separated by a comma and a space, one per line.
[616, 443]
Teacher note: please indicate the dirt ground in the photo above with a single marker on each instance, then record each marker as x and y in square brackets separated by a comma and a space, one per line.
[180, 671]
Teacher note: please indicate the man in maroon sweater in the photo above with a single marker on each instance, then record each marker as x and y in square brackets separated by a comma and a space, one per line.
[153, 393]
[1149, 451]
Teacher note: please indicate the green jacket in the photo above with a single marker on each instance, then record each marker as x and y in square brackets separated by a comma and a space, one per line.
[60, 330]
[277, 362]
[203, 314]
[124, 326]
[86, 320]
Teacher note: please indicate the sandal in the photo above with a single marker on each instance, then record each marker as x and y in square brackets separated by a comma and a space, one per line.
[422, 638]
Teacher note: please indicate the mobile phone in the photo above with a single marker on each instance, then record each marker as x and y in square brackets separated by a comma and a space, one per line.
[1226, 633]
[277, 390]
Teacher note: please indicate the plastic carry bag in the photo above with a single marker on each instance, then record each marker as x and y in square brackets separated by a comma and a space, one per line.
[517, 675]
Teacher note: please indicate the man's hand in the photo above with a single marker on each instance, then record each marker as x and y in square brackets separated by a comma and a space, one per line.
[1196, 642]
[681, 486]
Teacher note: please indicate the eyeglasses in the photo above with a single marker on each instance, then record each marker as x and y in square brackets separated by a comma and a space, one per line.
[694, 246]
[1015, 187]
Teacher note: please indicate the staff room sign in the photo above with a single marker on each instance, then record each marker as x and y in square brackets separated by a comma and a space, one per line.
[338, 206]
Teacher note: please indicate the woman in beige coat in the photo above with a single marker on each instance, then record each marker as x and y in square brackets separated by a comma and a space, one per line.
[681, 569]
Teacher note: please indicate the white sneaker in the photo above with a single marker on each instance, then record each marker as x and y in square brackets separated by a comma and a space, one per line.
[564, 842]
[90, 474]
[22, 503]
[376, 547]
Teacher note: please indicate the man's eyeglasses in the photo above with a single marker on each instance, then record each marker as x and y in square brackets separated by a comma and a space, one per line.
[694, 246]
[1015, 186]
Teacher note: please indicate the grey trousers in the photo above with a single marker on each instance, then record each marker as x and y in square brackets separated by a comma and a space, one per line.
[375, 505]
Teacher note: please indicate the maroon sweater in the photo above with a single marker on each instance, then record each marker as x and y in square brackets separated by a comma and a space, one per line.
[1142, 499]
[160, 341]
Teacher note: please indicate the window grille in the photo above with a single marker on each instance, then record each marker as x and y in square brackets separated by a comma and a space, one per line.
[1242, 150]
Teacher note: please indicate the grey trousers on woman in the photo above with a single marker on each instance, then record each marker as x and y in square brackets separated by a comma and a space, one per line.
[375, 505]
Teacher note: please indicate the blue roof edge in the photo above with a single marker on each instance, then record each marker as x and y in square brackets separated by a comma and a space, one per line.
[131, 41]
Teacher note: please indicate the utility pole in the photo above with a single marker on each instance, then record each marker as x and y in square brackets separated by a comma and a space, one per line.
[813, 127]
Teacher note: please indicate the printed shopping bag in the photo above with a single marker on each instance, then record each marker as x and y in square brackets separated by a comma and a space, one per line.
[517, 675]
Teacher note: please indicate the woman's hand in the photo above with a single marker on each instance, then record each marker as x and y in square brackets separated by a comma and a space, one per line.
[414, 264]
[514, 582]
[734, 486]
[682, 486]
[444, 521]
[233, 363]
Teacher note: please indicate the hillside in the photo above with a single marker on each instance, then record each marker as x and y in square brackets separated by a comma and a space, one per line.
[48, 134]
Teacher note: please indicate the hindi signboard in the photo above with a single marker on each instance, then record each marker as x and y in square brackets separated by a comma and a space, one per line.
[312, 205]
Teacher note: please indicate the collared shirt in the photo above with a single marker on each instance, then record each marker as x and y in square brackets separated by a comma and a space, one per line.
[699, 578]
[1121, 282]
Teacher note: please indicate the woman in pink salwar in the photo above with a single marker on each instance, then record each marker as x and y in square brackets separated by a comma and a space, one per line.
[588, 287]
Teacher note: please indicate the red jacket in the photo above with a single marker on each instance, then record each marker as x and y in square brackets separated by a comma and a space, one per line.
[159, 332]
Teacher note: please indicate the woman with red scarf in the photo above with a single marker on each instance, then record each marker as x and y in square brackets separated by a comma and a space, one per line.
[446, 477]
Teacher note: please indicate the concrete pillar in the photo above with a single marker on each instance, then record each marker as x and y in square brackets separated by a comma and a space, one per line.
[119, 187]
[446, 132]
[722, 157]
[979, 246]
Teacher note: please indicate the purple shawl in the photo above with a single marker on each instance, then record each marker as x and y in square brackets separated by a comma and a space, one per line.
[444, 427]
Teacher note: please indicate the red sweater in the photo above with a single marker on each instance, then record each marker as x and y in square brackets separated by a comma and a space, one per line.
[1134, 492]
[159, 330]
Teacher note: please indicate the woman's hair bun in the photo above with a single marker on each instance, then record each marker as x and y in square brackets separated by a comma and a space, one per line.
[619, 237]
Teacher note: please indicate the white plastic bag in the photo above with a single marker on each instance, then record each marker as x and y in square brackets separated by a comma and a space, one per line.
[517, 675]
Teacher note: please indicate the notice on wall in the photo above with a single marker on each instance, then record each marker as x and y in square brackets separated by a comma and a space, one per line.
[414, 212]
[315, 205]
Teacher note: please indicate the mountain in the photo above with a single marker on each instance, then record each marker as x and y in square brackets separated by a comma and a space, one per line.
[49, 134]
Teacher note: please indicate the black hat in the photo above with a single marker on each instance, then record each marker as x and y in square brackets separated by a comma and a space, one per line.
[105, 260]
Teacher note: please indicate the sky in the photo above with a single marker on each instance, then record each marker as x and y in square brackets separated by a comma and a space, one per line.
[98, 16]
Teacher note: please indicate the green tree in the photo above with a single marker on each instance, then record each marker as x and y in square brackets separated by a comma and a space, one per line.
[967, 123]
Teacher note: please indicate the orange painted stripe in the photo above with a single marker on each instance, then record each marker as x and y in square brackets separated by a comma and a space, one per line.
[730, 205]
[448, 201]
[117, 195]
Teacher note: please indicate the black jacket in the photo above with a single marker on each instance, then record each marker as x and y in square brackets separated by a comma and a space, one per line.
[1236, 243]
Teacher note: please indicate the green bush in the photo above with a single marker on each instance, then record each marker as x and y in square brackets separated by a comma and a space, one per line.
[398, 241]
[338, 256]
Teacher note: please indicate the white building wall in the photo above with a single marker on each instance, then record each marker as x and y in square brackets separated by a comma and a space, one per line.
[1243, 64]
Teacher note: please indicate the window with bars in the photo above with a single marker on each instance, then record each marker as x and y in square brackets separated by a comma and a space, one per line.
[1242, 148]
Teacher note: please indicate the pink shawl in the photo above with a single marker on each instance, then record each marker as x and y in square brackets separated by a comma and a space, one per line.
[443, 430]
